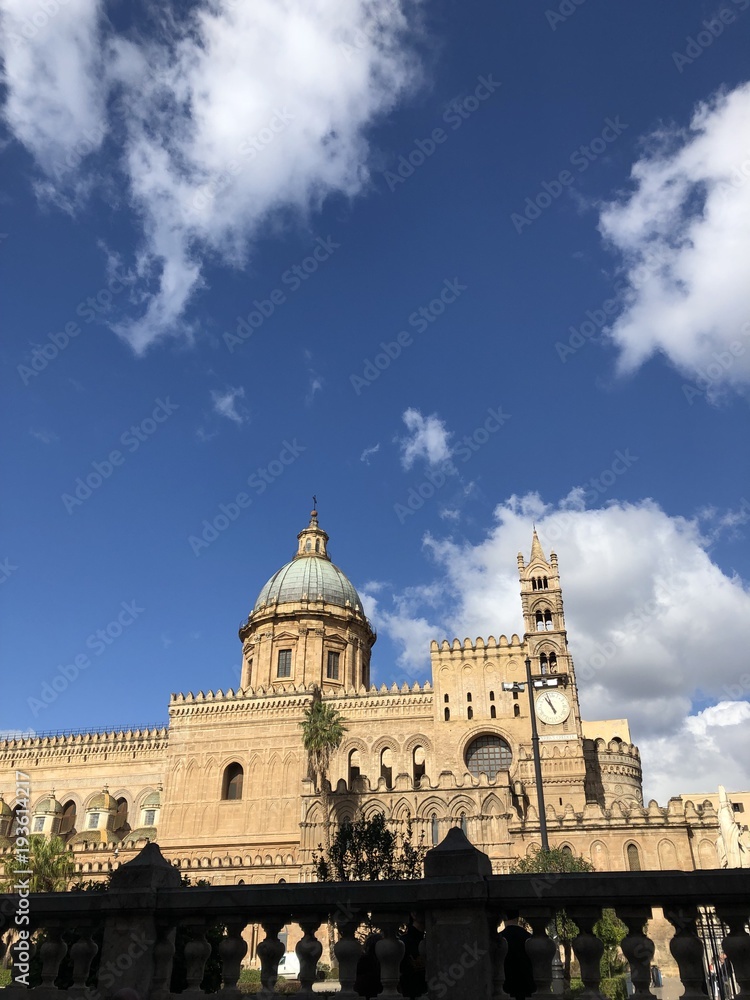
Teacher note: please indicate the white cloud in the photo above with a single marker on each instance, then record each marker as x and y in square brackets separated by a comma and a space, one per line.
[684, 237]
[45, 436]
[655, 627]
[365, 456]
[241, 117]
[225, 404]
[427, 439]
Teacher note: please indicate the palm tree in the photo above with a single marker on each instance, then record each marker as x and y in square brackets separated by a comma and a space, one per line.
[322, 733]
[51, 863]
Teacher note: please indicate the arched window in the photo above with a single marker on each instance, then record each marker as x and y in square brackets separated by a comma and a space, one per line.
[317, 545]
[552, 663]
[566, 849]
[492, 695]
[434, 830]
[308, 545]
[418, 764]
[539, 619]
[543, 664]
[546, 585]
[634, 858]
[386, 766]
[468, 696]
[231, 786]
[447, 715]
[533, 583]
[516, 711]
[68, 821]
[446, 699]
[462, 821]
[470, 713]
[488, 754]
[548, 621]
[493, 712]
[121, 816]
[354, 771]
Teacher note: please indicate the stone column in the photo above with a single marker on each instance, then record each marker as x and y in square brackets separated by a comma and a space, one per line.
[130, 930]
[460, 940]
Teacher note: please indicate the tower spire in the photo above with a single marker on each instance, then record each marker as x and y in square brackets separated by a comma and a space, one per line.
[536, 548]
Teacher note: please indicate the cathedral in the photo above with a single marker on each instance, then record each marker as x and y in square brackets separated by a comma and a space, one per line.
[225, 788]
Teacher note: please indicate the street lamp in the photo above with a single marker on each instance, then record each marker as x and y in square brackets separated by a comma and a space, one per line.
[531, 683]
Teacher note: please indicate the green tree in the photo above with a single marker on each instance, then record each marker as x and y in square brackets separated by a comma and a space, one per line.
[610, 931]
[366, 850]
[50, 862]
[556, 863]
[323, 730]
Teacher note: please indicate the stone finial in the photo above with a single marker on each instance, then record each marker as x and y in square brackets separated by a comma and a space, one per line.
[149, 869]
[456, 855]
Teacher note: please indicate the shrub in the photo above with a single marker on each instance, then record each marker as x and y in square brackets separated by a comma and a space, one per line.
[614, 988]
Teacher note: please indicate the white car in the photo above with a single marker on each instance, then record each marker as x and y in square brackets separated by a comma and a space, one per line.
[289, 966]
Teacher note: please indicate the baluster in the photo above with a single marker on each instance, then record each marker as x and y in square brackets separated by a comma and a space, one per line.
[737, 944]
[541, 949]
[52, 953]
[82, 953]
[269, 952]
[588, 948]
[422, 949]
[163, 954]
[390, 951]
[498, 953]
[197, 952]
[308, 950]
[687, 949]
[637, 948]
[348, 951]
[232, 949]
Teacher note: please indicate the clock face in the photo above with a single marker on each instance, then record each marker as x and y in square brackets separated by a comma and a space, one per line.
[552, 707]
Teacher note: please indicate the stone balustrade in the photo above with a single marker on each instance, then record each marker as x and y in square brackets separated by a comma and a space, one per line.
[461, 900]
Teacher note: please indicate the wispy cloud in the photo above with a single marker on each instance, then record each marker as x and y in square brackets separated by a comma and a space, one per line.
[45, 436]
[315, 381]
[244, 113]
[365, 456]
[427, 439]
[225, 404]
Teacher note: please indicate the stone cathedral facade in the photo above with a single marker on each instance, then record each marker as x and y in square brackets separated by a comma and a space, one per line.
[224, 789]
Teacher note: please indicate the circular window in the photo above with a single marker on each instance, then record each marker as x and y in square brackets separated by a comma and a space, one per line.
[488, 755]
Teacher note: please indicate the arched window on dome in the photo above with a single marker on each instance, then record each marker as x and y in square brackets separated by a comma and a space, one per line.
[317, 545]
[308, 545]
[231, 786]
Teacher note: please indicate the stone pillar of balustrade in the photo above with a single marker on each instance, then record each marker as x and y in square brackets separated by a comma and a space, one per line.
[459, 939]
[131, 931]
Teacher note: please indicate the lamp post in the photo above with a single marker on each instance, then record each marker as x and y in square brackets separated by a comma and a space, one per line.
[537, 761]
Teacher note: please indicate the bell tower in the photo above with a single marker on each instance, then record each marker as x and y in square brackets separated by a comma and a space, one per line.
[545, 635]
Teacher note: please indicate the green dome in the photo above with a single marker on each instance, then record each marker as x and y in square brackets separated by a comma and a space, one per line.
[310, 576]
[309, 579]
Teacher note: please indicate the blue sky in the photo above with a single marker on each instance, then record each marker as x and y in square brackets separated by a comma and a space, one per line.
[454, 269]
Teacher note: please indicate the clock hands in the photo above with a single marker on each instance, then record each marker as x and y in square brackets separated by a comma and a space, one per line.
[549, 702]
